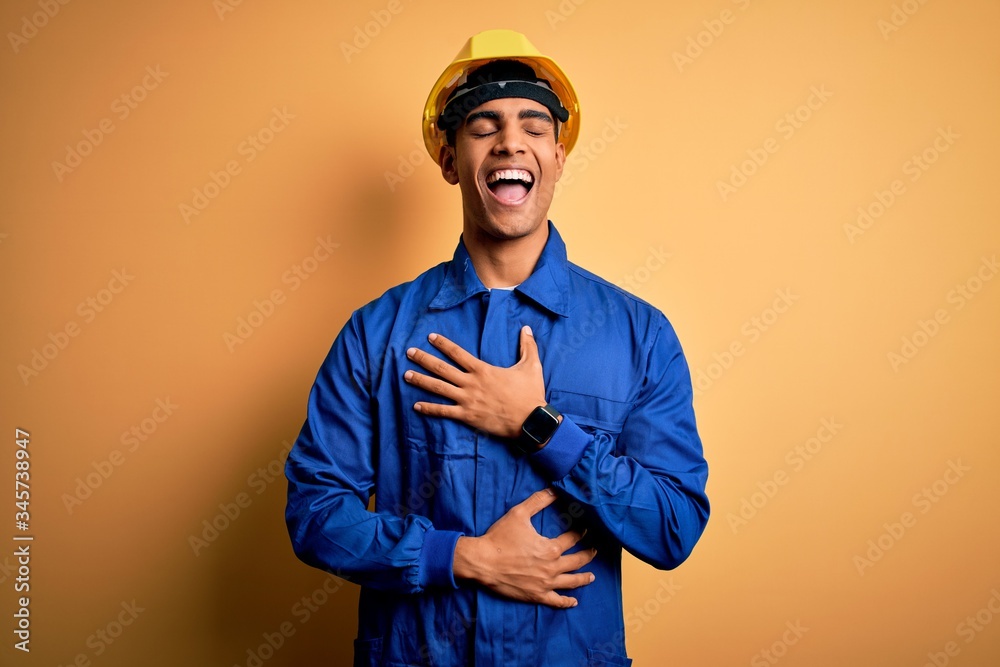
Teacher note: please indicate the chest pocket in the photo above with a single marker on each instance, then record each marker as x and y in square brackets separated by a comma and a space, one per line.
[593, 414]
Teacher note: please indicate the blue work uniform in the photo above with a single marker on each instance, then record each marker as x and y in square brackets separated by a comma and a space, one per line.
[626, 462]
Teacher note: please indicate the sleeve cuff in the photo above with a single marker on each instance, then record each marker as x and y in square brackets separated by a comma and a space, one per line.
[437, 558]
[563, 450]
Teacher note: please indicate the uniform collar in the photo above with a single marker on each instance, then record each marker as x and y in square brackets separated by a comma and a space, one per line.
[548, 284]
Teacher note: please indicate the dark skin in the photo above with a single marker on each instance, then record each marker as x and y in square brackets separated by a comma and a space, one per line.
[504, 240]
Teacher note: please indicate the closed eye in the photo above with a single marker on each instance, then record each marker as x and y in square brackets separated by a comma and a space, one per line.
[482, 127]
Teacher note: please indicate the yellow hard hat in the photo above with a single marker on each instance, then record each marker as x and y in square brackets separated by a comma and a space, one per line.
[498, 45]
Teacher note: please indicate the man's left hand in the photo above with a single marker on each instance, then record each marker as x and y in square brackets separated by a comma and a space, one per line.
[489, 398]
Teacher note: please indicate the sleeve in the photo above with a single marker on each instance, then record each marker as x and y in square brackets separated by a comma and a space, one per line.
[331, 477]
[647, 485]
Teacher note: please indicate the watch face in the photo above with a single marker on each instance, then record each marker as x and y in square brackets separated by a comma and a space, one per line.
[540, 425]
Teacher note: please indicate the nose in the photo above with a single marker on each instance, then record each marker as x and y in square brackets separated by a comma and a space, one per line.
[509, 140]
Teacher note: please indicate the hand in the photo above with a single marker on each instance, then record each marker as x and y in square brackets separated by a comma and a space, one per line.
[512, 559]
[489, 398]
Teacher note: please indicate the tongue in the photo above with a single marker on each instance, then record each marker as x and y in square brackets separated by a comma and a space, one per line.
[510, 192]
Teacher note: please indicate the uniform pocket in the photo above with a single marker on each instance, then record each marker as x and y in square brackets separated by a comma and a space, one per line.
[368, 652]
[591, 413]
[597, 658]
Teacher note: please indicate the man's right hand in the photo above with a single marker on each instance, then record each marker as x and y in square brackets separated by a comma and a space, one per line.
[512, 559]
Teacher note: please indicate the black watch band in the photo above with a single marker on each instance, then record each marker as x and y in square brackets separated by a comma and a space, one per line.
[538, 428]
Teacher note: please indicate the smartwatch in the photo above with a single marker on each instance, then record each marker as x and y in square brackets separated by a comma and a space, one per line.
[538, 428]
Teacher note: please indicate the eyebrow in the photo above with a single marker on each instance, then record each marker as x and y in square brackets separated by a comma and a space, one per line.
[534, 113]
[473, 117]
[524, 114]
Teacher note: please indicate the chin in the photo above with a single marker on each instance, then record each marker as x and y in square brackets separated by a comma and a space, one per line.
[510, 227]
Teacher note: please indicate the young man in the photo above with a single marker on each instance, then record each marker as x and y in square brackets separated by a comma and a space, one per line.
[518, 419]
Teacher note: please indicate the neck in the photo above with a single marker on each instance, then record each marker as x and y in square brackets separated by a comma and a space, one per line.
[504, 262]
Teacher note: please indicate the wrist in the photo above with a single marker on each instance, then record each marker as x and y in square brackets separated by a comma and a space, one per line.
[469, 559]
[538, 428]
[521, 415]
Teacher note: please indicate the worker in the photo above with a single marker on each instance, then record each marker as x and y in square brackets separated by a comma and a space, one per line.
[519, 420]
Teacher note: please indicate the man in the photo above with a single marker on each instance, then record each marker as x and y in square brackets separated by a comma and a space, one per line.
[518, 419]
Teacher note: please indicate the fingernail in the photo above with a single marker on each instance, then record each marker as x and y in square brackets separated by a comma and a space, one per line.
[551, 491]
[432, 337]
[592, 577]
[416, 406]
[408, 375]
[528, 331]
[411, 351]
[575, 602]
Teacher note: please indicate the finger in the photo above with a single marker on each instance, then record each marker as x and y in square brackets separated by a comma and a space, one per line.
[553, 599]
[565, 582]
[529, 346]
[576, 560]
[566, 540]
[537, 501]
[433, 385]
[439, 367]
[454, 351]
[439, 410]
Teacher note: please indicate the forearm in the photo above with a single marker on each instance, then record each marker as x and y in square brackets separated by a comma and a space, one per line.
[655, 513]
[338, 534]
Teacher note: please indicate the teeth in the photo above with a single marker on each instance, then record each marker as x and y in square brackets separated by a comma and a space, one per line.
[510, 175]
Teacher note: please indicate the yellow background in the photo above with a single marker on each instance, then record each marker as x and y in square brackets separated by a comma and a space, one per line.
[659, 133]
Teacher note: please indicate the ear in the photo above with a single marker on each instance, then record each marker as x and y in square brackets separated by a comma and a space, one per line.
[449, 169]
[560, 158]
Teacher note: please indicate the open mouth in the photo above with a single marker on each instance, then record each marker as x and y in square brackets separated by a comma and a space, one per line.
[510, 186]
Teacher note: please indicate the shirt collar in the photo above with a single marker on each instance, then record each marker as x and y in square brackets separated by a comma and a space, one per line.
[548, 284]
